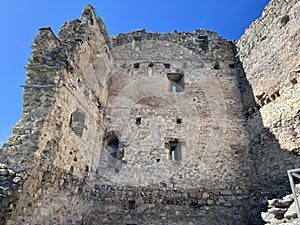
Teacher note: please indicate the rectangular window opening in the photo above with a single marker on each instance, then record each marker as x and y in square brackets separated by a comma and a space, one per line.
[136, 65]
[231, 65]
[167, 65]
[179, 121]
[176, 82]
[173, 154]
[175, 150]
[137, 49]
[138, 121]
[202, 42]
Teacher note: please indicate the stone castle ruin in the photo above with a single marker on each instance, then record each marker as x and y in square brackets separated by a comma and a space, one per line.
[148, 128]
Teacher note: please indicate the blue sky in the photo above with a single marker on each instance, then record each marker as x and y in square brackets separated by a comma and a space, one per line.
[20, 21]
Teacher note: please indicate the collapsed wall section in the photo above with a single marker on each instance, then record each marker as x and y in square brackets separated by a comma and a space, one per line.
[57, 143]
[269, 52]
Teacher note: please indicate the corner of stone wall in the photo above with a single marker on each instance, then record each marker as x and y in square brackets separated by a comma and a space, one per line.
[45, 153]
[39, 95]
[269, 55]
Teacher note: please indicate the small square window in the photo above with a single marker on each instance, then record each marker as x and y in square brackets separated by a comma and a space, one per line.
[167, 65]
[176, 82]
[202, 42]
[137, 49]
[179, 121]
[150, 64]
[136, 65]
[138, 120]
[231, 65]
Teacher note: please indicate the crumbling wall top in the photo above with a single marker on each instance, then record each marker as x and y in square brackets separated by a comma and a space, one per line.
[186, 39]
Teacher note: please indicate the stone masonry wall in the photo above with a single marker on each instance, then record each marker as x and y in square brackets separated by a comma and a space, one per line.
[57, 143]
[142, 118]
[269, 52]
[147, 128]
[106, 115]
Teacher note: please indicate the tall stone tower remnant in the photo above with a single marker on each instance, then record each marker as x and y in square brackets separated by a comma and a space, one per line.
[148, 128]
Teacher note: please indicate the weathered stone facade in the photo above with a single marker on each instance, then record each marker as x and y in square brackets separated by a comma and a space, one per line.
[148, 116]
[147, 128]
[269, 51]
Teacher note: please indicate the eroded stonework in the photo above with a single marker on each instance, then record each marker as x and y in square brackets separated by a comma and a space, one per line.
[271, 62]
[147, 128]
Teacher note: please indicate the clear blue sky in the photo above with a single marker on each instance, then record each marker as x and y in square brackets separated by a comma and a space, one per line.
[20, 20]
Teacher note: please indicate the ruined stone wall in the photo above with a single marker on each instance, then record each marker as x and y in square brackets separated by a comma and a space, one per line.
[269, 52]
[58, 141]
[147, 128]
[128, 130]
[144, 116]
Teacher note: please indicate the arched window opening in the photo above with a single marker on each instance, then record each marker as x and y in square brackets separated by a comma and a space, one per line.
[111, 147]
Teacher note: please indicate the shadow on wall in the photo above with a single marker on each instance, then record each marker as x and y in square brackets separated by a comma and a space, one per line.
[270, 161]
